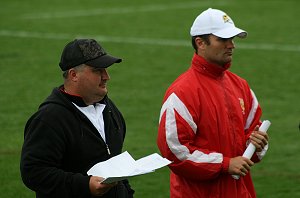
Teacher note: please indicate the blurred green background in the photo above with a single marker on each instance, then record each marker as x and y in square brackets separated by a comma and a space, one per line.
[153, 39]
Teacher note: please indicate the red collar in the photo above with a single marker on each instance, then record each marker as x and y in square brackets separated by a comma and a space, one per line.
[201, 65]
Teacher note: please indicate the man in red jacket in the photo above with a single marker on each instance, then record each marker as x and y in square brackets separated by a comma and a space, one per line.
[209, 116]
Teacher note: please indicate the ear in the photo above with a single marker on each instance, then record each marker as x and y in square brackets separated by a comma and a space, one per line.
[73, 75]
[201, 44]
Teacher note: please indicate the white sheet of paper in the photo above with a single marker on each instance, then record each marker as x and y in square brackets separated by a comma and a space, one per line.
[123, 166]
[251, 148]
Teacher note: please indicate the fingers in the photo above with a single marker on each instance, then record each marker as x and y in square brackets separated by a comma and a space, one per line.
[243, 172]
[259, 139]
[97, 188]
[246, 166]
[239, 166]
[258, 142]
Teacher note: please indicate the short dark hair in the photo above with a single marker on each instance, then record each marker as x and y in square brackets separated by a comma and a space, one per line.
[65, 74]
[204, 37]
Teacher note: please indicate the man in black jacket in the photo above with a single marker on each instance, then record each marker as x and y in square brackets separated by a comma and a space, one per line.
[76, 127]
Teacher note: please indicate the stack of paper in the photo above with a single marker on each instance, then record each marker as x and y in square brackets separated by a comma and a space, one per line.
[124, 166]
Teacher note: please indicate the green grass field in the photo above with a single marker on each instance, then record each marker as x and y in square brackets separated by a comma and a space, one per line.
[153, 39]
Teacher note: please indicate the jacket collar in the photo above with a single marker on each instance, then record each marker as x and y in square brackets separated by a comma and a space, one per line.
[77, 99]
[201, 65]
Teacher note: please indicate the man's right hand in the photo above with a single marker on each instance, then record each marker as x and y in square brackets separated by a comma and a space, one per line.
[97, 188]
[239, 166]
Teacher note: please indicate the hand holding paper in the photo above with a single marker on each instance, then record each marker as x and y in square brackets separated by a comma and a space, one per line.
[251, 148]
[123, 166]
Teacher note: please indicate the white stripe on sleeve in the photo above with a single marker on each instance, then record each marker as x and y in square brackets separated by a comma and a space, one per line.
[252, 111]
[181, 151]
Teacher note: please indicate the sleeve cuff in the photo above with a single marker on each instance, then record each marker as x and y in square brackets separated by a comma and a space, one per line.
[81, 184]
[225, 164]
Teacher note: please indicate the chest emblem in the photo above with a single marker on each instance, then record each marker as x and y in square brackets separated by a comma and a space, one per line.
[242, 105]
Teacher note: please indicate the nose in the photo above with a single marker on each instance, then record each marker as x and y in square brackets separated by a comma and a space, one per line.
[230, 43]
[105, 75]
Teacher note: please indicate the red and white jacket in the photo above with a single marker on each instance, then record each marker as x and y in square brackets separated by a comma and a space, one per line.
[206, 118]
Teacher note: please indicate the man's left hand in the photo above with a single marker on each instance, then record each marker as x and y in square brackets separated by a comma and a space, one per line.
[259, 139]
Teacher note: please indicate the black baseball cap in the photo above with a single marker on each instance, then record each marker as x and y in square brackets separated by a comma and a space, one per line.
[85, 51]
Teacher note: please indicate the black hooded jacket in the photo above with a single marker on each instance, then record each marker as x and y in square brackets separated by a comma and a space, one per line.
[61, 145]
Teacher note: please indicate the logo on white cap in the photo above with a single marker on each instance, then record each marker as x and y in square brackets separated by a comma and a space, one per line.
[216, 22]
[227, 19]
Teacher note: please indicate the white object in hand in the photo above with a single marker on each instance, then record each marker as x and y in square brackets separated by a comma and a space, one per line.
[123, 166]
[251, 148]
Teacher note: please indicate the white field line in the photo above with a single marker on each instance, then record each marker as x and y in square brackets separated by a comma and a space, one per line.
[120, 10]
[142, 41]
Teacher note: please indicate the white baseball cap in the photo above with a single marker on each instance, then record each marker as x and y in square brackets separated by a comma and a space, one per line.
[216, 22]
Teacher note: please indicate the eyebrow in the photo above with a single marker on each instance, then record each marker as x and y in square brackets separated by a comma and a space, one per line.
[95, 69]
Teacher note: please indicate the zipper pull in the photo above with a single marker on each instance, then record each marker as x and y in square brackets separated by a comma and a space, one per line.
[107, 148]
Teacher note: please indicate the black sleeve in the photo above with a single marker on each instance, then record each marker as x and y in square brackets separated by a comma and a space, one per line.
[129, 189]
[41, 160]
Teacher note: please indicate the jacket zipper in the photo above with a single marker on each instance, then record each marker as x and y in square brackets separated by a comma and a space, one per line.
[229, 107]
[107, 148]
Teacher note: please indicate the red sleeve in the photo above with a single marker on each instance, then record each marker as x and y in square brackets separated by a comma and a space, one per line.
[176, 137]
